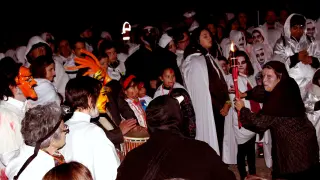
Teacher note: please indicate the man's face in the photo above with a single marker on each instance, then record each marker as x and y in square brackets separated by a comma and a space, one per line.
[112, 54]
[36, 52]
[87, 33]
[64, 48]
[78, 47]
[271, 18]
[297, 31]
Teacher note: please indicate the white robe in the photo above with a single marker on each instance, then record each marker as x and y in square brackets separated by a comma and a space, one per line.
[195, 74]
[38, 167]
[11, 114]
[160, 91]
[46, 92]
[88, 144]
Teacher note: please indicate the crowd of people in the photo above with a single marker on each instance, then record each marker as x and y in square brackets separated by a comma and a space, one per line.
[196, 95]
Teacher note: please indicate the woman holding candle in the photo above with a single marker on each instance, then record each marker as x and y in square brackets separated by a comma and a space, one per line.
[295, 151]
[245, 138]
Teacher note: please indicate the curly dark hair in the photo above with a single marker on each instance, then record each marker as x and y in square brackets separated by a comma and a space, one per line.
[40, 121]
[9, 70]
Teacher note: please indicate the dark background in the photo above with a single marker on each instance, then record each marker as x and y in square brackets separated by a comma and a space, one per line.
[20, 21]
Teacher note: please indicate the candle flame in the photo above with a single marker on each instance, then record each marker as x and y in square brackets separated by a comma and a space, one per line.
[232, 47]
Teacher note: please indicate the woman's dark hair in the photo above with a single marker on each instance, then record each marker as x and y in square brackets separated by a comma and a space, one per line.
[79, 89]
[38, 66]
[72, 170]
[163, 113]
[194, 46]
[9, 70]
[247, 59]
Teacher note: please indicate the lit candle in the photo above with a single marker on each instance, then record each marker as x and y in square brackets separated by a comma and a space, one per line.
[234, 66]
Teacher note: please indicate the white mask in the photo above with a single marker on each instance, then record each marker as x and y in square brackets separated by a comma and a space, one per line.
[260, 55]
[242, 41]
[311, 29]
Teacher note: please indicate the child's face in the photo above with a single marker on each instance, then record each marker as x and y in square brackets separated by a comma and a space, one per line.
[168, 77]
[132, 92]
[104, 63]
[224, 66]
[142, 92]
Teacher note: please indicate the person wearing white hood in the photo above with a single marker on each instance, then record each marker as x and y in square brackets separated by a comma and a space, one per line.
[311, 29]
[167, 42]
[190, 20]
[20, 53]
[37, 47]
[297, 51]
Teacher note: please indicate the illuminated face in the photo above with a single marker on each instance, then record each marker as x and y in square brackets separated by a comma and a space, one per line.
[242, 65]
[260, 55]
[26, 83]
[168, 77]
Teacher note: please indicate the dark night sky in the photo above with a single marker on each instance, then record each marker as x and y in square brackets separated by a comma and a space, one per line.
[28, 19]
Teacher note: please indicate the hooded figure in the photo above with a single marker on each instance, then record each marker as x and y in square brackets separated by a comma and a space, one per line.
[312, 103]
[61, 78]
[168, 154]
[311, 29]
[295, 151]
[297, 51]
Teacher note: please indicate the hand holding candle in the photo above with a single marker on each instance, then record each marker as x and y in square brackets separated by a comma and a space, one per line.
[234, 66]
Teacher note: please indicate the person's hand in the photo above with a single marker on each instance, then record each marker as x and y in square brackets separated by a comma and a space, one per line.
[126, 125]
[153, 84]
[242, 95]
[231, 90]
[239, 104]
[303, 55]
[307, 60]
[225, 110]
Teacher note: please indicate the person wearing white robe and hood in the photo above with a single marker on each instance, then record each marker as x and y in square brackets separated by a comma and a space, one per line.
[311, 29]
[205, 82]
[37, 47]
[297, 51]
[20, 53]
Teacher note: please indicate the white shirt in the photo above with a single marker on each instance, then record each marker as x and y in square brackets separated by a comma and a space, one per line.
[88, 144]
[38, 167]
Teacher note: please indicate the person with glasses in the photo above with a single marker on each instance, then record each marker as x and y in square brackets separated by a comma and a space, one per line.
[44, 132]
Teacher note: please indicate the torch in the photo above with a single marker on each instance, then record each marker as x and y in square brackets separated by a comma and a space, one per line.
[234, 66]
